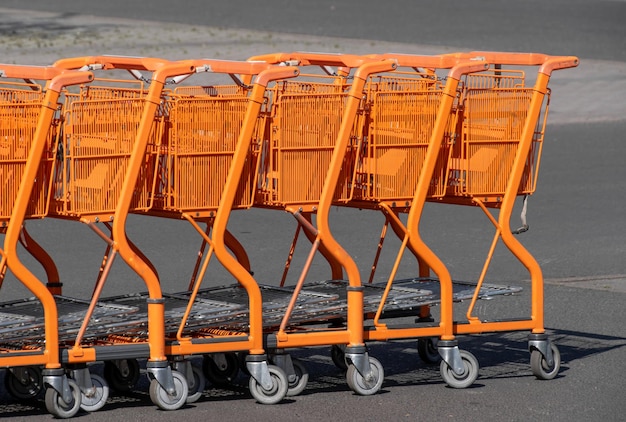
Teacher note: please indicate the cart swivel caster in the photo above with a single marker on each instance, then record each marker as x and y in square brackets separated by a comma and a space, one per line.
[459, 368]
[545, 358]
[63, 395]
[268, 383]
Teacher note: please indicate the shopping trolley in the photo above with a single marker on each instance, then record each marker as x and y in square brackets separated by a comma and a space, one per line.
[29, 140]
[237, 188]
[97, 129]
[405, 114]
[496, 160]
[208, 143]
[500, 122]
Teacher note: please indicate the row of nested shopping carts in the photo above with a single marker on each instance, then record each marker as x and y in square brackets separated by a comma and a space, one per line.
[96, 139]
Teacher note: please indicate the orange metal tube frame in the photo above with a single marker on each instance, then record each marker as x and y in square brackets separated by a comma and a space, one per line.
[232, 265]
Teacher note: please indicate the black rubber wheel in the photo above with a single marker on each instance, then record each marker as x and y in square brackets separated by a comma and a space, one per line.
[123, 377]
[427, 350]
[338, 355]
[221, 375]
[24, 383]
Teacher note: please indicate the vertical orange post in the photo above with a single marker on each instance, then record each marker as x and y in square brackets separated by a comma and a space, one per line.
[30, 281]
[355, 290]
[227, 199]
[421, 192]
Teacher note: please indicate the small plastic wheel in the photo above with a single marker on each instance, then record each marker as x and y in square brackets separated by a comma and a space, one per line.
[540, 366]
[165, 401]
[195, 385]
[221, 373]
[123, 375]
[364, 387]
[427, 350]
[58, 407]
[338, 355]
[24, 383]
[470, 373]
[276, 393]
[300, 378]
[97, 398]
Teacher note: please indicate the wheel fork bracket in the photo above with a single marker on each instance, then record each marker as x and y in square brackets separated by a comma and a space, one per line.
[162, 372]
[361, 361]
[184, 367]
[541, 343]
[259, 370]
[284, 362]
[82, 376]
[56, 379]
[449, 351]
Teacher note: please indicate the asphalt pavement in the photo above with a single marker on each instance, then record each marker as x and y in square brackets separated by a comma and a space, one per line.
[576, 217]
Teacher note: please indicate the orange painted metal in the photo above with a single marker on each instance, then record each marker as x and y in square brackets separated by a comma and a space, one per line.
[28, 124]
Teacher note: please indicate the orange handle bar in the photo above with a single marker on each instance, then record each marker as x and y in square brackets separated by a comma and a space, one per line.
[186, 67]
[314, 59]
[58, 77]
[467, 67]
[70, 78]
[112, 62]
[445, 61]
[375, 67]
[29, 72]
[277, 72]
[557, 63]
[522, 59]
[228, 66]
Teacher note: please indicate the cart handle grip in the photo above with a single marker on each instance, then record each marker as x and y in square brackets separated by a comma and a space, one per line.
[70, 78]
[467, 67]
[111, 62]
[305, 58]
[275, 73]
[367, 69]
[29, 72]
[558, 62]
[548, 63]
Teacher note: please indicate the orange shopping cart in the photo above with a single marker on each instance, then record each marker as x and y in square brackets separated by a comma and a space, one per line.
[301, 109]
[29, 114]
[501, 131]
[97, 130]
[404, 143]
[493, 154]
[210, 147]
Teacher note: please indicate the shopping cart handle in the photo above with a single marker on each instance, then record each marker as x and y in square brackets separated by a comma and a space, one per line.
[305, 58]
[558, 62]
[375, 67]
[111, 62]
[28, 72]
[275, 73]
[70, 78]
[468, 67]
